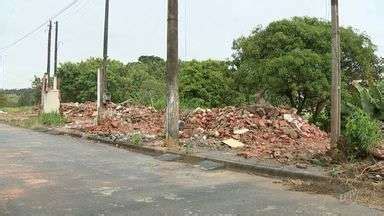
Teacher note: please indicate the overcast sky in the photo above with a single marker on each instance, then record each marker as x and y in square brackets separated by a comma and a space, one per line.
[137, 27]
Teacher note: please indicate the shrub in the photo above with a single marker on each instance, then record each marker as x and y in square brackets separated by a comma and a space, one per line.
[3, 100]
[51, 119]
[362, 133]
[136, 139]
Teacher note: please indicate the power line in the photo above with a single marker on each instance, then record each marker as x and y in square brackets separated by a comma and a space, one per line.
[80, 7]
[38, 27]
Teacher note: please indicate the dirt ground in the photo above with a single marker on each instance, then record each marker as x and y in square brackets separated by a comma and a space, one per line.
[345, 189]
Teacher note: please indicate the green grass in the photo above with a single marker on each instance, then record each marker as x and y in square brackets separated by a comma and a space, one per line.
[51, 119]
[137, 139]
[17, 109]
[26, 117]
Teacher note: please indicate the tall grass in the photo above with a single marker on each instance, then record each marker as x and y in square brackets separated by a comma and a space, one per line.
[51, 119]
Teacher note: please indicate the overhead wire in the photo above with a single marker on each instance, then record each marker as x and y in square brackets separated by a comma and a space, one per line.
[81, 6]
[35, 30]
[75, 7]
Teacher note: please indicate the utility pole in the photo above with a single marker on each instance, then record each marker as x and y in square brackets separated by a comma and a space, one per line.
[105, 50]
[56, 42]
[336, 77]
[49, 52]
[102, 74]
[172, 112]
[2, 66]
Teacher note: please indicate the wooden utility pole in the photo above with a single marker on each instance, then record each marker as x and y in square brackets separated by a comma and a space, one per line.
[56, 43]
[336, 77]
[49, 51]
[172, 112]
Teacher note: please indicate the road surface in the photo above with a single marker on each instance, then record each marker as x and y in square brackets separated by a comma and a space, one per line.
[43, 174]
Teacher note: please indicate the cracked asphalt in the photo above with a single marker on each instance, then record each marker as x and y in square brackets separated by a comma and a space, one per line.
[43, 174]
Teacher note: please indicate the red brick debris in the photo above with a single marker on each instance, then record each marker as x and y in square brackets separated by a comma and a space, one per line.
[265, 131]
[276, 132]
[124, 119]
[379, 152]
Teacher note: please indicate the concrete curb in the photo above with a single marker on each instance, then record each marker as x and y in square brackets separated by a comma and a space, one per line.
[259, 169]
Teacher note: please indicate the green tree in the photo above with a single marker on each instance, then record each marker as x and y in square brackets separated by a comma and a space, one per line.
[207, 83]
[290, 60]
[27, 98]
[36, 86]
[79, 80]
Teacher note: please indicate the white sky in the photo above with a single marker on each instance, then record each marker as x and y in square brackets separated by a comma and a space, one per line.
[137, 27]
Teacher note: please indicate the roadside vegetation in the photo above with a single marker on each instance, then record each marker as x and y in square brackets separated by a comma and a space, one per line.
[51, 119]
[27, 117]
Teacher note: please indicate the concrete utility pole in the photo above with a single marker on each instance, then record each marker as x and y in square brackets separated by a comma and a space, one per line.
[336, 77]
[172, 112]
[49, 51]
[105, 49]
[2, 67]
[102, 74]
[56, 41]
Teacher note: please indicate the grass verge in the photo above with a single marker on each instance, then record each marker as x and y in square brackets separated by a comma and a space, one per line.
[51, 119]
[28, 117]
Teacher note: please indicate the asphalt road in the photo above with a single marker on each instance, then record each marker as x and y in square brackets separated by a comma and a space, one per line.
[44, 174]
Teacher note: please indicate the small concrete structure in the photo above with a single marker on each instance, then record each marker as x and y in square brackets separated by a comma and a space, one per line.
[50, 98]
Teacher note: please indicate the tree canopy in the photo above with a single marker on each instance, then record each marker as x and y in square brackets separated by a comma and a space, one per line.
[290, 60]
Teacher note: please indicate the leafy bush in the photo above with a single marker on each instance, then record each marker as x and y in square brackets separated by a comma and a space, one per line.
[136, 139]
[202, 83]
[206, 84]
[372, 99]
[51, 119]
[322, 120]
[362, 133]
[3, 100]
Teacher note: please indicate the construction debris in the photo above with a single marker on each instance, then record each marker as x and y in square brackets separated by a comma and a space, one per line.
[376, 170]
[379, 152]
[274, 132]
[233, 143]
[260, 131]
[240, 131]
[127, 119]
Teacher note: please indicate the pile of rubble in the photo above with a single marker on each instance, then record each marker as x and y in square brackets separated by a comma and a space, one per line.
[265, 131]
[74, 111]
[376, 171]
[118, 118]
[257, 130]
[379, 152]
